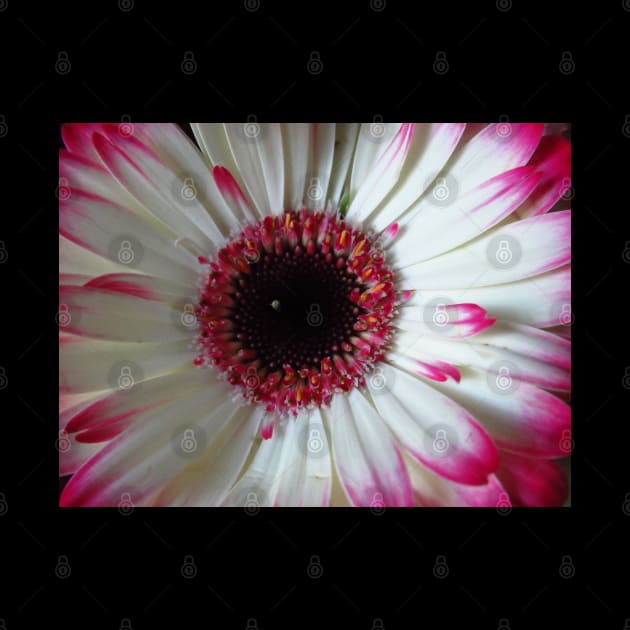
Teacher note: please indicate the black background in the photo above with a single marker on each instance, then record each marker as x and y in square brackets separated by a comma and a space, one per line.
[252, 60]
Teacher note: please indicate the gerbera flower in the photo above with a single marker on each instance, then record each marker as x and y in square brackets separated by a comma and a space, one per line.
[317, 314]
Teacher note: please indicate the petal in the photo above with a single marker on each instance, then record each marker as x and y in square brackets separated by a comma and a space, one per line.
[492, 152]
[444, 320]
[431, 490]
[320, 161]
[296, 140]
[75, 259]
[147, 454]
[431, 147]
[382, 176]
[145, 287]
[507, 253]
[444, 227]
[372, 142]
[89, 365]
[367, 459]
[345, 140]
[542, 301]
[533, 482]
[517, 352]
[170, 199]
[104, 228]
[260, 162]
[434, 429]
[208, 478]
[520, 418]
[306, 478]
[552, 160]
[103, 314]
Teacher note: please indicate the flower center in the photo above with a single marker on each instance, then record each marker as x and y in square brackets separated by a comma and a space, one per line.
[298, 307]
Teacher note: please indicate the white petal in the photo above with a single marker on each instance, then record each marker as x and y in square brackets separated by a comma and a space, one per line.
[345, 141]
[296, 140]
[507, 253]
[322, 147]
[433, 429]
[431, 146]
[209, 477]
[382, 176]
[260, 162]
[104, 229]
[89, 365]
[367, 458]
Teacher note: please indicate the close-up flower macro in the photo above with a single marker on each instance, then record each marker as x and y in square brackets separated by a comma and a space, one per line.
[297, 314]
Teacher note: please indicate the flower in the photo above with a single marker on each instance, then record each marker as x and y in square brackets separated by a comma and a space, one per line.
[372, 315]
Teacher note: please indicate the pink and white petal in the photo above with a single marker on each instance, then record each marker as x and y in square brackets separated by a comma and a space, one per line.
[373, 140]
[306, 476]
[260, 161]
[80, 173]
[115, 410]
[520, 418]
[540, 301]
[263, 474]
[520, 355]
[434, 429]
[101, 227]
[296, 138]
[431, 490]
[77, 260]
[103, 314]
[492, 152]
[235, 199]
[146, 287]
[73, 454]
[176, 149]
[431, 146]
[442, 228]
[320, 161]
[533, 482]
[345, 140]
[536, 245]
[87, 365]
[159, 190]
[383, 175]
[444, 320]
[552, 160]
[209, 477]
[367, 459]
[145, 456]
[76, 279]
[77, 138]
